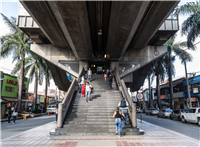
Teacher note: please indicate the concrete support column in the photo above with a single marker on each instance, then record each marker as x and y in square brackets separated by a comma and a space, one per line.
[60, 113]
[134, 118]
[83, 64]
[114, 64]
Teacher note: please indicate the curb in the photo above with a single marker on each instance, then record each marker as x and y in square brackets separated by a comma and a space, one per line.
[22, 117]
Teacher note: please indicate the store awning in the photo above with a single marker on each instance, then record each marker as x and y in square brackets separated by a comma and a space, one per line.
[15, 100]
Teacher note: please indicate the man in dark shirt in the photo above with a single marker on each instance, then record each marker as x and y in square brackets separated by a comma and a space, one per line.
[110, 80]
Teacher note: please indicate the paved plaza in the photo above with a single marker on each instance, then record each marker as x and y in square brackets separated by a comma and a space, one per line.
[154, 136]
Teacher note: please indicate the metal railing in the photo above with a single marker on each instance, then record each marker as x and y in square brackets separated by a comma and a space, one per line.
[131, 107]
[64, 106]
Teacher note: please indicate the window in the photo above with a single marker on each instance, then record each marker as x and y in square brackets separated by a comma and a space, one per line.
[9, 89]
[169, 110]
[191, 111]
[199, 111]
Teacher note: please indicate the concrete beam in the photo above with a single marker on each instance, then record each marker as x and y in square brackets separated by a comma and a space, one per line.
[155, 16]
[59, 76]
[143, 57]
[54, 55]
[124, 18]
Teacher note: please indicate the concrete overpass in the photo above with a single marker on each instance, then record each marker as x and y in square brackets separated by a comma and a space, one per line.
[127, 35]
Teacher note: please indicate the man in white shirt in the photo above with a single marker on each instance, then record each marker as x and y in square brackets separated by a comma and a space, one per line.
[89, 73]
[81, 83]
[123, 104]
[88, 91]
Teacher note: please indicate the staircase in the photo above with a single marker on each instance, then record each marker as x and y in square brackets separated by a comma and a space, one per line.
[94, 117]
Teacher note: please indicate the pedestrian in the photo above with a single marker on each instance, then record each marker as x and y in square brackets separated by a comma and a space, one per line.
[88, 91]
[80, 84]
[9, 115]
[117, 115]
[56, 113]
[110, 80]
[105, 76]
[124, 109]
[83, 90]
[14, 114]
[89, 73]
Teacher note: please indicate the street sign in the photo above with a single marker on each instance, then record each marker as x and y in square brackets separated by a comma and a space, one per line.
[156, 53]
[139, 96]
[142, 102]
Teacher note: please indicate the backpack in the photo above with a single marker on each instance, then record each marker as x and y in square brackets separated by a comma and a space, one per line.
[123, 104]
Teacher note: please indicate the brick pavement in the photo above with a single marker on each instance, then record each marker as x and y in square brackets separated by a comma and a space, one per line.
[154, 136]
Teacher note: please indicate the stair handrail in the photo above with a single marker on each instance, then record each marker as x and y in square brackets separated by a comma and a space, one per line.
[64, 106]
[122, 88]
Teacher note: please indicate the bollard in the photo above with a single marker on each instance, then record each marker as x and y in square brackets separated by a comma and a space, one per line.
[134, 118]
[60, 113]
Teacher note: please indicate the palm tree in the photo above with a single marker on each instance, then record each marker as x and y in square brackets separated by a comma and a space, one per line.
[17, 44]
[184, 56]
[48, 77]
[159, 72]
[191, 26]
[34, 65]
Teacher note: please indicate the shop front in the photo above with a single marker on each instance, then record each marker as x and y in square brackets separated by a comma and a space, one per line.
[9, 91]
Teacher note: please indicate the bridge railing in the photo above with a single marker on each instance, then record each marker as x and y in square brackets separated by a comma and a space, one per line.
[64, 106]
[132, 107]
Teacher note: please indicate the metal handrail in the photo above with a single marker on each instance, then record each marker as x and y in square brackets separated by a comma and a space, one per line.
[64, 106]
[122, 88]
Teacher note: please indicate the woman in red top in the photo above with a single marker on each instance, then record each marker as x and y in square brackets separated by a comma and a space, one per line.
[83, 90]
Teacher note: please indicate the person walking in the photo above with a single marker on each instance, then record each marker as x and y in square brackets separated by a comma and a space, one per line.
[14, 114]
[124, 109]
[110, 80]
[12, 108]
[117, 115]
[9, 115]
[88, 91]
[105, 76]
[83, 90]
[81, 83]
[89, 73]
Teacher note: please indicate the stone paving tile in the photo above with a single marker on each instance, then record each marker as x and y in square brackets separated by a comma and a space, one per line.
[154, 136]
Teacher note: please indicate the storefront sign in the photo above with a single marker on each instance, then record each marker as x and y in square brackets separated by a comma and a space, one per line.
[10, 86]
[193, 99]
[195, 90]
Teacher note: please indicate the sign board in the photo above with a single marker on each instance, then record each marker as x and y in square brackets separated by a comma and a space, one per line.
[139, 96]
[195, 90]
[156, 53]
[9, 86]
[142, 102]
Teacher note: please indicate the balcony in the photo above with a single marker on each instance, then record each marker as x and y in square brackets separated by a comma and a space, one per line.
[29, 26]
[169, 27]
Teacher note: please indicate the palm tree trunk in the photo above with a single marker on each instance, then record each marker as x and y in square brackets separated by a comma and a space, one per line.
[171, 86]
[21, 81]
[45, 97]
[158, 90]
[35, 87]
[188, 89]
[149, 82]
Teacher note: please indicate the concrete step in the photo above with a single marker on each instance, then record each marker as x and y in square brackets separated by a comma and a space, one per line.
[92, 122]
[92, 119]
[93, 111]
[91, 126]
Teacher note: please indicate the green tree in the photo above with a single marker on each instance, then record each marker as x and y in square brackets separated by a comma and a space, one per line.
[34, 66]
[177, 48]
[18, 44]
[191, 26]
[48, 77]
[160, 73]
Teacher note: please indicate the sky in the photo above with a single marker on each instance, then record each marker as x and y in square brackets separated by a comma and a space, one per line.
[10, 8]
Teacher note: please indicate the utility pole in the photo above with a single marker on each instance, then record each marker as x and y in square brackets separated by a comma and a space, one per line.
[188, 89]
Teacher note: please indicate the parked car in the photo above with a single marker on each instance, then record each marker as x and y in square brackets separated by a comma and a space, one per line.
[177, 114]
[164, 113]
[191, 115]
[51, 108]
[152, 111]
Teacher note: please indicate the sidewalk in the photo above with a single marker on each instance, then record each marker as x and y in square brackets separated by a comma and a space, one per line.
[154, 136]
[6, 119]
